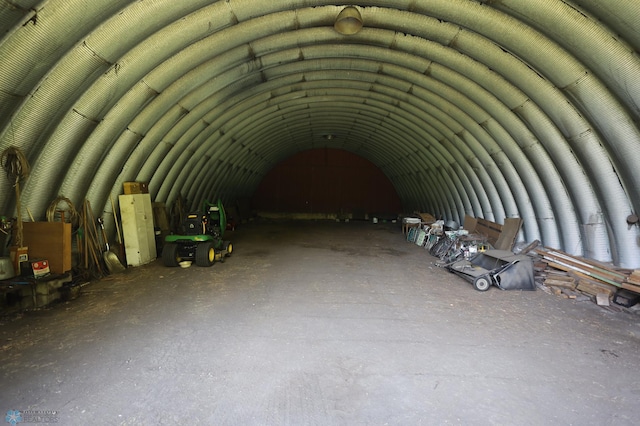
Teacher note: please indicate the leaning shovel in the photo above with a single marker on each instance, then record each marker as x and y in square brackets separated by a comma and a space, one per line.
[110, 258]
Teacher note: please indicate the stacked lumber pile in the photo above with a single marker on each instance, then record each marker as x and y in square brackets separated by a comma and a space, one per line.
[632, 282]
[572, 276]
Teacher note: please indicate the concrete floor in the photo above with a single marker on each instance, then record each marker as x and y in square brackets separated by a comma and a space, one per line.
[320, 324]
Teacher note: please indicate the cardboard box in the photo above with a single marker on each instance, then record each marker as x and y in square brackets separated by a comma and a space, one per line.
[51, 241]
[136, 188]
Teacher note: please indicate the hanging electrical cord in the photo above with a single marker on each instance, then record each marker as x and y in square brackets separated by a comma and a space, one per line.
[16, 166]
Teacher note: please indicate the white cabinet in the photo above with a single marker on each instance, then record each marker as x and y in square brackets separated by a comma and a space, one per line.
[137, 228]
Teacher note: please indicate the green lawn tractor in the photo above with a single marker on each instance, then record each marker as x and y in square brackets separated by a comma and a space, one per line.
[200, 238]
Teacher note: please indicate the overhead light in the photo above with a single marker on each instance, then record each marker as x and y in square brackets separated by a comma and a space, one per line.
[329, 136]
[349, 21]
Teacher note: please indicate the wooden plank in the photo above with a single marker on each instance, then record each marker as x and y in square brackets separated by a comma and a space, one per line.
[602, 299]
[593, 288]
[631, 287]
[634, 277]
[558, 283]
[491, 229]
[577, 264]
[427, 218]
[507, 237]
[571, 294]
[562, 276]
[470, 223]
[160, 217]
[593, 264]
[530, 247]
[539, 266]
[569, 266]
[556, 291]
[560, 266]
[584, 277]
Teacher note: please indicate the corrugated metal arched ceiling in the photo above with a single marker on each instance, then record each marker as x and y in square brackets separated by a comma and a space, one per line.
[494, 108]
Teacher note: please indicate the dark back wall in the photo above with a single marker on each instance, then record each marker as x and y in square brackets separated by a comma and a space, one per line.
[327, 181]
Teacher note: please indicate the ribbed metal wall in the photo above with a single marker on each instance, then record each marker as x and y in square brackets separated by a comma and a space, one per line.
[492, 109]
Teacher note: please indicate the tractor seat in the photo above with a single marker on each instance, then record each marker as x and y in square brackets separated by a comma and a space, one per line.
[214, 213]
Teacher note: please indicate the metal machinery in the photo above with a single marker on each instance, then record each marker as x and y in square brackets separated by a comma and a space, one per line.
[200, 239]
[501, 268]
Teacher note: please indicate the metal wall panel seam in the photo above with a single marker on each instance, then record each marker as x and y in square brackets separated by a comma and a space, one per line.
[621, 16]
[103, 151]
[609, 57]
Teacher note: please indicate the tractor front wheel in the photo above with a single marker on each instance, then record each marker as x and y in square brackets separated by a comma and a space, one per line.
[205, 254]
[170, 254]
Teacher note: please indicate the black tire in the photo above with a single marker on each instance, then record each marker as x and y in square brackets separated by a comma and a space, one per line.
[229, 249]
[205, 254]
[482, 283]
[170, 254]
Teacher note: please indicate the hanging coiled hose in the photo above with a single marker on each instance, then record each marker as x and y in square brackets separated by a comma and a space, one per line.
[16, 166]
[68, 214]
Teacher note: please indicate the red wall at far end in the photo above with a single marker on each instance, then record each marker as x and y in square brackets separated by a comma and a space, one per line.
[327, 181]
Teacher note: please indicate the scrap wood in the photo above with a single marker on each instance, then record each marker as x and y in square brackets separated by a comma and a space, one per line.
[602, 299]
[560, 283]
[585, 273]
[598, 265]
[559, 275]
[593, 266]
[427, 218]
[591, 277]
[634, 277]
[567, 293]
[530, 247]
[572, 267]
[603, 275]
[565, 278]
[539, 266]
[556, 291]
[631, 287]
[594, 288]
[571, 294]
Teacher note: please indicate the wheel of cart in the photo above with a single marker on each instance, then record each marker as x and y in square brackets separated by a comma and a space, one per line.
[482, 283]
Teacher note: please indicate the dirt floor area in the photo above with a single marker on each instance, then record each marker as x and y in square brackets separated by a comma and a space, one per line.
[318, 323]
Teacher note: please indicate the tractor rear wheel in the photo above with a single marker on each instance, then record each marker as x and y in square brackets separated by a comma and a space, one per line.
[205, 254]
[170, 254]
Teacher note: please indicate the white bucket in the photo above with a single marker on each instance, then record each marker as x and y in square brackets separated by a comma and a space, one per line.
[6, 268]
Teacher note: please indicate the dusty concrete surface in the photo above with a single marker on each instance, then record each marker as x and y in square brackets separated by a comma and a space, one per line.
[319, 324]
